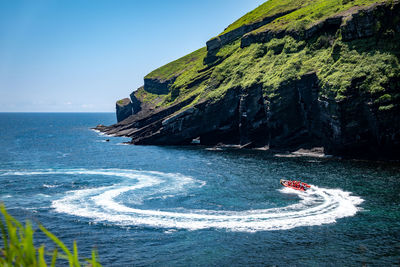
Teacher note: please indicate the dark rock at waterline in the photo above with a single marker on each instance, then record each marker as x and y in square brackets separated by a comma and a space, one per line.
[294, 114]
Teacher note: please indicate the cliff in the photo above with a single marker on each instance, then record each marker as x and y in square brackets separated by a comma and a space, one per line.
[287, 75]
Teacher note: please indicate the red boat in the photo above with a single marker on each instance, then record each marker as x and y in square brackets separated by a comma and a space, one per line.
[297, 185]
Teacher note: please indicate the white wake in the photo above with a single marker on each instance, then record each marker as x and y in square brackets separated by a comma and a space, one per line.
[317, 206]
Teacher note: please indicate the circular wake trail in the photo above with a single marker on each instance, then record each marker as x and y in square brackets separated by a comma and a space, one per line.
[317, 206]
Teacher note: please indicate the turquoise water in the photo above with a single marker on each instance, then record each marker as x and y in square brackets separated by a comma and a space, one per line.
[179, 206]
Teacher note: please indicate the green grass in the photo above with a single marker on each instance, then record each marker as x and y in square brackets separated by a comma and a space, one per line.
[305, 12]
[312, 12]
[179, 66]
[152, 99]
[124, 101]
[268, 9]
[185, 70]
[19, 247]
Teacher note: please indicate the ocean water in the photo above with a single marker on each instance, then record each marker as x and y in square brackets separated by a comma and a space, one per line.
[185, 206]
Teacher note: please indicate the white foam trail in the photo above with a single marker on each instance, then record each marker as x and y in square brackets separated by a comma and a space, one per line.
[317, 206]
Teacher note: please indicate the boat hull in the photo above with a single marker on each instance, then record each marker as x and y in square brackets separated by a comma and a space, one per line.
[296, 185]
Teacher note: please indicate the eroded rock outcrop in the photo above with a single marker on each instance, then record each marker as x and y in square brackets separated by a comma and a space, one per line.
[127, 107]
[124, 109]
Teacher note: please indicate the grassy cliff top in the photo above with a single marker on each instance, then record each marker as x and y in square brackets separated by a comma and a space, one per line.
[123, 102]
[268, 9]
[313, 12]
[306, 12]
[177, 67]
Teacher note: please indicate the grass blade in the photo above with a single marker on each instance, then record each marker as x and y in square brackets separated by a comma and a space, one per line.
[58, 243]
[54, 258]
[76, 258]
[41, 261]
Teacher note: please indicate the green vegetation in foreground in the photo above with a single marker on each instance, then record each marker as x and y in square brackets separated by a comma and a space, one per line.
[177, 67]
[19, 248]
[312, 12]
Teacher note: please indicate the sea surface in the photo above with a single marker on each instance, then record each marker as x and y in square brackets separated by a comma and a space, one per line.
[194, 206]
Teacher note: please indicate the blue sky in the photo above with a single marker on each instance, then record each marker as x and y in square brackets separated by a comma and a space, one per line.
[82, 56]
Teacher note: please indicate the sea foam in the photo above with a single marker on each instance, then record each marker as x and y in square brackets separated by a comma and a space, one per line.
[316, 206]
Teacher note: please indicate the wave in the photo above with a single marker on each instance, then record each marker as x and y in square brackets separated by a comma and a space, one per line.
[42, 195]
[109, 204]
[102, 133]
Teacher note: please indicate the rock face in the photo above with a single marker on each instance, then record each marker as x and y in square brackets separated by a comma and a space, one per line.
[355, 127]
[372, 20]
[237, 118]
[127, 107]
[203, 120]
[157, 87]
[124, 109]
[294, 118]
[297, 115]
